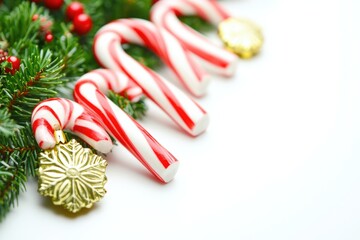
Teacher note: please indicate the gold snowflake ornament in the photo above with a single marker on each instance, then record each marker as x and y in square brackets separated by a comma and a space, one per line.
[71, 175]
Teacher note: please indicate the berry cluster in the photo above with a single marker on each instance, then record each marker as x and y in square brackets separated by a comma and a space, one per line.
[45, 27]
[82, 23]
[12, 60]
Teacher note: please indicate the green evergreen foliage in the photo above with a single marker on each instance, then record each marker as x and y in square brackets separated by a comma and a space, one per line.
[18, 153]
[135, 109]
[7, 125]
[197, 23]
[35, 81]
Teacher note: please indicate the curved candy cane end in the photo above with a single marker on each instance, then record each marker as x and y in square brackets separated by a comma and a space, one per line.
[57, 114]
[44, 133]
[44, 139]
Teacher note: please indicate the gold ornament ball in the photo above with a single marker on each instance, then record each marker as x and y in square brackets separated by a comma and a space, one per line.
[241, 37]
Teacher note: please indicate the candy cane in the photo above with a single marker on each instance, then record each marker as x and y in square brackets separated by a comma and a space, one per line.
[117, 82]
[89, 92]
[61, 113]
[165, 46]
[107, 49]
[164, 15]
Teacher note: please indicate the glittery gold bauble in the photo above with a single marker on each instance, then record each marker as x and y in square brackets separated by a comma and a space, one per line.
[71, 175]
[241, 37]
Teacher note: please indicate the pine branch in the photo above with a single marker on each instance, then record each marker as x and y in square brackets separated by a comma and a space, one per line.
[21, 143]
[18, 153]
[8, 5]
[7, 125]
[135, 109]
[197, 23]
[37, 80]
[18, 29]
[126, 9]
[12, 182]
[143, 55]
[69, 50]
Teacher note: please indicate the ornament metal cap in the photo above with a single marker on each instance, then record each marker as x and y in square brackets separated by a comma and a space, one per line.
[241, 36]
[59, 136]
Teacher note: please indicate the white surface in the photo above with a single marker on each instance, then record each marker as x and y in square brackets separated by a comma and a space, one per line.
[279, 161]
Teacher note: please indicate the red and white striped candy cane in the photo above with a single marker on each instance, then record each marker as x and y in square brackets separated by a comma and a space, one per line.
[109, 53]
[89, 92]
[61, 113]
[164, 45]
[115, 81]
[165, 15]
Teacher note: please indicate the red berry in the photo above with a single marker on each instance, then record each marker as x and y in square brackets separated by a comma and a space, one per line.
[49, 37]
[53, 4]
[15, 63]
[82, 24]
[45, 24]
[3, 55]
[74, 9]
[35, 17]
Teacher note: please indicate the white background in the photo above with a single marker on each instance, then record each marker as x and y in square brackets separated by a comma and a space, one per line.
[280, 160]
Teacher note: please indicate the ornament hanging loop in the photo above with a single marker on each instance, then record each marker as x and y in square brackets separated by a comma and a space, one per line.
[59, 136]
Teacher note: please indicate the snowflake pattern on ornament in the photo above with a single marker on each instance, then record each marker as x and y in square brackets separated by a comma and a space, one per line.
[72, 176]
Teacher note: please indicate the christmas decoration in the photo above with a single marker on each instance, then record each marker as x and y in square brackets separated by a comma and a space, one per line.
[45, 24]
[114, 81]
[35, 17]
[15, 64]
[45, 27]
[49, 37]
[3, 55]
[53, 4]
[74, 9]
[71, 175]
[82, 24]
[107, 49]
[241, 37]
[128, 132]
[69, 115]
[47, 68]
[167, 48]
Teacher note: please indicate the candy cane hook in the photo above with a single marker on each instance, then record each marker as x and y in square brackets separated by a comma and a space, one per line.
[65, 114]
[180, 108]
[180, 61]
[89, 92]
[164, 15]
